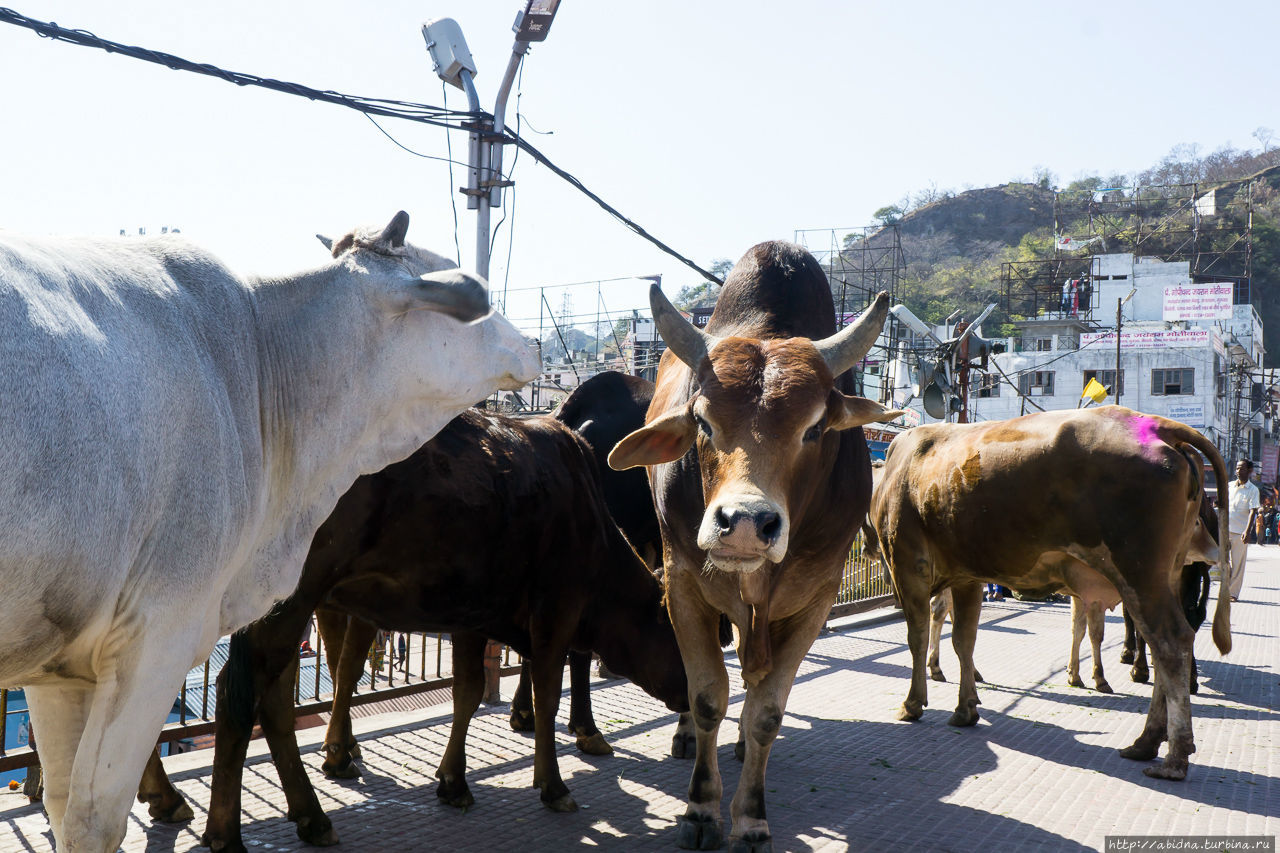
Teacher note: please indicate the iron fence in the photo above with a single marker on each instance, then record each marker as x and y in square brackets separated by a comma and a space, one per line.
[424, 665]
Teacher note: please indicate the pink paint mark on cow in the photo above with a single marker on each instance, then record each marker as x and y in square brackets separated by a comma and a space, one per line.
[1144, 429]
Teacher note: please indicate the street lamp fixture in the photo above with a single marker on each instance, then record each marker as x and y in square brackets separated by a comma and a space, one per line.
[533, 22]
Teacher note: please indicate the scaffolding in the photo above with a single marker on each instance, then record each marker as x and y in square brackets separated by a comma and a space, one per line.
[1208, 225]
[859, 263]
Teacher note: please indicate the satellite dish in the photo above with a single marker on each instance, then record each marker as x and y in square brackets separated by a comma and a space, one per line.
[935, 402]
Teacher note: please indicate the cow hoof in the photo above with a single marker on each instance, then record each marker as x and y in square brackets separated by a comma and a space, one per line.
[593, 744]
[752, 842]
[1074, 681]
[936, 675]
[1126, 656]
[694, 832]
[521, 721]
[178, 813]
[963, 717]
[684, 746]
[563, 804]
[219, 845]
[1102, 686]
[318, 832]
[910, 712]
[455, 793]
[350, 770]
[1139, 675]
[1140, 750]
[1174, 772]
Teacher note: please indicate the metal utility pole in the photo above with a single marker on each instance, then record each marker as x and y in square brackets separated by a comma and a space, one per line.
[453, 63]
[1119, 324]
[1119, 321]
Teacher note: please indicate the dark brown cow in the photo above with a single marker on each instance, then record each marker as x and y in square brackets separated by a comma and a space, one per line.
[603, 410]
[1101, 501]
[761, 478]
[495, 528]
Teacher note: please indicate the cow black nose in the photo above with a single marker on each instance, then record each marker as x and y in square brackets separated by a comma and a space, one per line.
[768, 526]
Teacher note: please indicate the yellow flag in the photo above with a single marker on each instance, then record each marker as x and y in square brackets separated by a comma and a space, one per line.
[1095, 391]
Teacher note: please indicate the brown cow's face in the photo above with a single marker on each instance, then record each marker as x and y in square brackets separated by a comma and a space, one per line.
[757, 418]
[760, 411]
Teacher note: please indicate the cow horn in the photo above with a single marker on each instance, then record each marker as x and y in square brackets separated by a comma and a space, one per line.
[847, 347]
[393, 235]
[687, 341]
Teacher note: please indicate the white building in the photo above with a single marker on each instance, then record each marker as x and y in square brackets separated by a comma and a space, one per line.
[1168, 366]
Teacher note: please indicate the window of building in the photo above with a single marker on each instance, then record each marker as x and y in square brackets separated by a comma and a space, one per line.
[1107, 378]
[1038, 383]
[988, 386]
[1171, 381]
[1044, 344]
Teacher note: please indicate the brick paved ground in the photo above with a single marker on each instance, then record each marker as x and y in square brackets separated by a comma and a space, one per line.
[1039, 771]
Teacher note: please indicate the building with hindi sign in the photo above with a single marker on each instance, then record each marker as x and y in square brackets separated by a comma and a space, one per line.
[1178, 338]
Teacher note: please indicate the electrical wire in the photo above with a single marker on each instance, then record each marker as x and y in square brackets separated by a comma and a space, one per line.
[424, 113]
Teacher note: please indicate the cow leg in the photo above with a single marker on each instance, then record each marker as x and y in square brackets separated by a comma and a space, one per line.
[762, 713]
[141, 668]
[334, 628]
[582, 723]
[58, 713]
[164, 803]
[550, 645]
[1097, 619]
[352, 649]
[967, 605]
[909, 579]
[697, 628]
[277, 715]
[261, 655]
[468, 690]
[1140, 673]
[684, 743]
[1130, 634]
[1164, 625]
[1077, 634]
[938, 609]
[522, 702]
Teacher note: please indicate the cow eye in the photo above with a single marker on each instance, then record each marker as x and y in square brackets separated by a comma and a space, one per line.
[703, 426]
[814, 432]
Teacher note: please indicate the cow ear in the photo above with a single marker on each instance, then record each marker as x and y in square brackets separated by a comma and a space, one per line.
[847, 412]
[665, 440]
[458, 294]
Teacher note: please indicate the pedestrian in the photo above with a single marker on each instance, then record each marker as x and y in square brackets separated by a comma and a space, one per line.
[1267, 521]
[1242, 509]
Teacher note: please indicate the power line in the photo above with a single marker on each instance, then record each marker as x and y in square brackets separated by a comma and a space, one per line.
[424, 113]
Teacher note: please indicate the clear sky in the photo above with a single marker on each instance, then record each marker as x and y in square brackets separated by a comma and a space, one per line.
[715, 124]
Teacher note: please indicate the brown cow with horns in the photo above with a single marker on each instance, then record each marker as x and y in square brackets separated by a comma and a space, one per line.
[761, 479]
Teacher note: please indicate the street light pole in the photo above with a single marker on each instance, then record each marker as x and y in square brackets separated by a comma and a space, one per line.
[453, 63]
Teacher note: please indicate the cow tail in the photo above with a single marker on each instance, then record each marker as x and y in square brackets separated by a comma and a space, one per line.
[1178, 432]
[235, 683]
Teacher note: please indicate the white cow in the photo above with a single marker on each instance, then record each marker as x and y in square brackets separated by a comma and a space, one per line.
[171, 436]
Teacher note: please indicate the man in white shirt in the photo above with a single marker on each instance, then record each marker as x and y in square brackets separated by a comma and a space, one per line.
[1242, 509]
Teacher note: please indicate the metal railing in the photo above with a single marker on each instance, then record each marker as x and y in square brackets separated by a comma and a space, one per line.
[425, 666]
